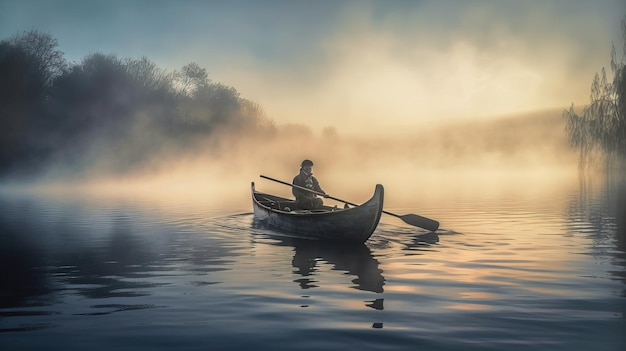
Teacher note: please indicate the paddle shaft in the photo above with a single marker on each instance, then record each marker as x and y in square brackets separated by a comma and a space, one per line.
[412, 219]
[309, 190]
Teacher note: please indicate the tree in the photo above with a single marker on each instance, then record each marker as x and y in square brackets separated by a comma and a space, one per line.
[147, 75]
[191, 78]
[116, 115]
[28, 64]
[43, 47]
[601, 129]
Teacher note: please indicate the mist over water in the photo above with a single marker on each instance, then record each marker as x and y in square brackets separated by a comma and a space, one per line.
[348, 165]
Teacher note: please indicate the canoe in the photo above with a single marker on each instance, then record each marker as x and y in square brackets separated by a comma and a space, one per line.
[354, 224]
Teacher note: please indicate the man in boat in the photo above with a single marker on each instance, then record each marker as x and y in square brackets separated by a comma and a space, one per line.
[307, 200]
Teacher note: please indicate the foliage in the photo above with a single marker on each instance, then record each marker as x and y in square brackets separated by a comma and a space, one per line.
[42, 48]
[52, 111]
[601, 129]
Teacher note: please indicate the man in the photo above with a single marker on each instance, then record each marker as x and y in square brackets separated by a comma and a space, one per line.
[307, 200]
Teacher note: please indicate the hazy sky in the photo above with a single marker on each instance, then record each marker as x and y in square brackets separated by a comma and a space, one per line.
[353, 63]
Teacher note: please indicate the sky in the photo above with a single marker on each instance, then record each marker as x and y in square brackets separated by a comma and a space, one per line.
[353, 64]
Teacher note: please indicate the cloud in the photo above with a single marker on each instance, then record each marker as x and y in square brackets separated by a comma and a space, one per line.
[431, 60]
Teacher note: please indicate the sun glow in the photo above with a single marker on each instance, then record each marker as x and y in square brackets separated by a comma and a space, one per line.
[371, 75]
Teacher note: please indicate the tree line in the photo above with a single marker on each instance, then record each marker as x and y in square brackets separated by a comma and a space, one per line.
[599, 133]
[56, 112]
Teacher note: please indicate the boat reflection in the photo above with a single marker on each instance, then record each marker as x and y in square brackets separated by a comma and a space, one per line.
[353, 259]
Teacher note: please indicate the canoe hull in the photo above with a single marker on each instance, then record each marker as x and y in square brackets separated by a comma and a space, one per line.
[355, 224]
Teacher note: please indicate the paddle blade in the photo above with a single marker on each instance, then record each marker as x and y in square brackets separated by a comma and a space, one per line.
[419, 221]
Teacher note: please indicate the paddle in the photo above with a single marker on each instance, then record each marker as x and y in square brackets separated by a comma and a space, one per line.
[412, 219]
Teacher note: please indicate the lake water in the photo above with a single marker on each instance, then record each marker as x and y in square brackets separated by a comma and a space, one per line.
[525, 264]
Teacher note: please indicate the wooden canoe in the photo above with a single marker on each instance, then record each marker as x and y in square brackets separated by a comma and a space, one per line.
[355, 224]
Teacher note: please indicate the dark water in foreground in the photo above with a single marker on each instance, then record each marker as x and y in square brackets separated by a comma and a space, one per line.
[509, 270]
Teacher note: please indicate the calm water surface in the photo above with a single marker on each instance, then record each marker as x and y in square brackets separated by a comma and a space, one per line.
[538, 267]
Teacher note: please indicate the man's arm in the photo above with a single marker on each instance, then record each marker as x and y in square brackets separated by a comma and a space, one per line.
[316, 186]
